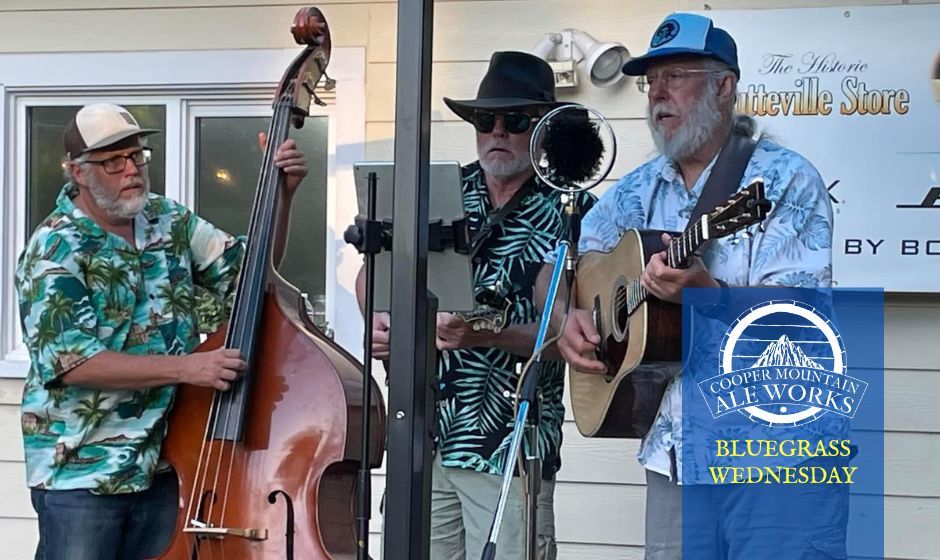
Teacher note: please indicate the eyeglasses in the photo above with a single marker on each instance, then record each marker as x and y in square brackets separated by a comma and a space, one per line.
[670, 77]
[515, 123]
[116, 164]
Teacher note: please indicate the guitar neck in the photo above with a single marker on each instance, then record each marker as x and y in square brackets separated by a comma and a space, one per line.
[682, 248]
[678, 253]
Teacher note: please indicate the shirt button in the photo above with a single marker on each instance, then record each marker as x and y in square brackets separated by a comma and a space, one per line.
[477, 260]
[151, 296]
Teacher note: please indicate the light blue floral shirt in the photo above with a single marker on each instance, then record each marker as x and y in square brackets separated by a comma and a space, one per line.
[794, 249]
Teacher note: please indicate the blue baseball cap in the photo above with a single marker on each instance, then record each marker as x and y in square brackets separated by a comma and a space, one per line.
[686, 34]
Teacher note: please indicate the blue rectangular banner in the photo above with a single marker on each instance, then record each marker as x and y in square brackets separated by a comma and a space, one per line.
[782, 448]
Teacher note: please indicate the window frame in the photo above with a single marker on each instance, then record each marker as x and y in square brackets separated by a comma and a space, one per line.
[188, 83]
[207, 108]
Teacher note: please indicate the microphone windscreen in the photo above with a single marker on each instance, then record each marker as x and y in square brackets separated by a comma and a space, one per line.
[573, 146]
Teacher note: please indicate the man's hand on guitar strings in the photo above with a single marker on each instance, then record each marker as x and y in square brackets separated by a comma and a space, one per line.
[666, 283]
[580, 338]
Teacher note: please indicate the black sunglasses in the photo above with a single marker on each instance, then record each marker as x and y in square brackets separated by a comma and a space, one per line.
[515, 123]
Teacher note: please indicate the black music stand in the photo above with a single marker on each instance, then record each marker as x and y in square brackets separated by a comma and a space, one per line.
[450, 282]
[450, 274]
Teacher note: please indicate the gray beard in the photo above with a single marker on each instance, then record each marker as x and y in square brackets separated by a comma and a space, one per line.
[505, 169]
[113, 205]
[700, 126]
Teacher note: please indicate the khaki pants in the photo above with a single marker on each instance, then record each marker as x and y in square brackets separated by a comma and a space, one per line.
[462, 507]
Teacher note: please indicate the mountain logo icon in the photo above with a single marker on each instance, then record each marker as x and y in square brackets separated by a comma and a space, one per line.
[784, 352]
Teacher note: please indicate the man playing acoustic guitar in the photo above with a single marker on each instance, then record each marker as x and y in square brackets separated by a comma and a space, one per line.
[690, 75]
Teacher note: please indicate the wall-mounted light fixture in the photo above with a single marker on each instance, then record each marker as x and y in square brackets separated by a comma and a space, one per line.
[567, 50]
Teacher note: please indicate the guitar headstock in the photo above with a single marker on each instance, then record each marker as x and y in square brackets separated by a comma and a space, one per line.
[745, 208]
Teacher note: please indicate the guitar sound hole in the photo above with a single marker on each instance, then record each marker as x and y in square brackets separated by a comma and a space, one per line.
[621, 317]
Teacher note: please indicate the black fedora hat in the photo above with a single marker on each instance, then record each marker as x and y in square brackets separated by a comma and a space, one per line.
[514, 80]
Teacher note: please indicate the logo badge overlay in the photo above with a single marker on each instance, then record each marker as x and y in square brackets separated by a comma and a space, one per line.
[782, 417]
[782, 363]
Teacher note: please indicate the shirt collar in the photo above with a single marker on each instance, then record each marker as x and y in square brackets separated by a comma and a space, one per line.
[81, 220]
[668, 170]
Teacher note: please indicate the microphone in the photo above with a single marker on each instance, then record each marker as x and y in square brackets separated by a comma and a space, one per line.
[573, 147]
[573, 151]
[570, 155]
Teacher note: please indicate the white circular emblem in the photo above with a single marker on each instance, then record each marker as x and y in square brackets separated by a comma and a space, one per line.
[803, 327]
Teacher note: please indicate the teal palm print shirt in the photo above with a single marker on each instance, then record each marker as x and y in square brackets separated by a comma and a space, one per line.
[794, 249]
[475, 413]
[83, 290]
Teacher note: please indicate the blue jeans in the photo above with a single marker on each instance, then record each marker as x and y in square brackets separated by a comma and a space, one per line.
[79, 525]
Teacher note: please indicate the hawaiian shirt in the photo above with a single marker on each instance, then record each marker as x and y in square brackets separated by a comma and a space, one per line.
[476, 385]
[83, 290]
[792, 249]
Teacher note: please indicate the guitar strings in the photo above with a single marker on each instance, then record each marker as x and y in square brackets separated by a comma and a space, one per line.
[636, 293]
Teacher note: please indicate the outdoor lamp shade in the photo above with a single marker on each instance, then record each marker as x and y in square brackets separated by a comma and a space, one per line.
[602, 61]
[545, 48]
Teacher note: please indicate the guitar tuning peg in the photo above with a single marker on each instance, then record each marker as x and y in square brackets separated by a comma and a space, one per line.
[746, 234]
[735, 240]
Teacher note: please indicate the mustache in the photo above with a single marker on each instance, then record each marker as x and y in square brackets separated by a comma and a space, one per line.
[138, 182]
[494, 144]
[661, 109]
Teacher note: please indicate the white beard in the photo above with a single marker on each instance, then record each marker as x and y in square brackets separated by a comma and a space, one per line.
[699, 127]
[112, 203]
[502, 168]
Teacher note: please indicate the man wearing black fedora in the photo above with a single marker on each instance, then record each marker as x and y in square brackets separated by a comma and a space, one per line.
[515, 220]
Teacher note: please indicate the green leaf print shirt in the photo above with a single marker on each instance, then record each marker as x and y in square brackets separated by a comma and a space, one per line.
[475, 415]
[83, 290]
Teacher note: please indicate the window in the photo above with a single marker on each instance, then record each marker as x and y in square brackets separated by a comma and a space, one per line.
[227, 161]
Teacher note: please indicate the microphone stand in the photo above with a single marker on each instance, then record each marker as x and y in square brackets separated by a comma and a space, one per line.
[364, 486]
[574, 136]
[528, 414]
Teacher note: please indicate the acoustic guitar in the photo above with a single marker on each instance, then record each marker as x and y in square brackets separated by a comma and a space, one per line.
[634, 326]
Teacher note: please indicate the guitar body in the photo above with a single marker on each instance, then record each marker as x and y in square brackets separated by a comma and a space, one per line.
[635, 327]
[603, 404]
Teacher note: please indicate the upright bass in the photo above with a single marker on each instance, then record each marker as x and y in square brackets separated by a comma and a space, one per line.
[267, 470]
